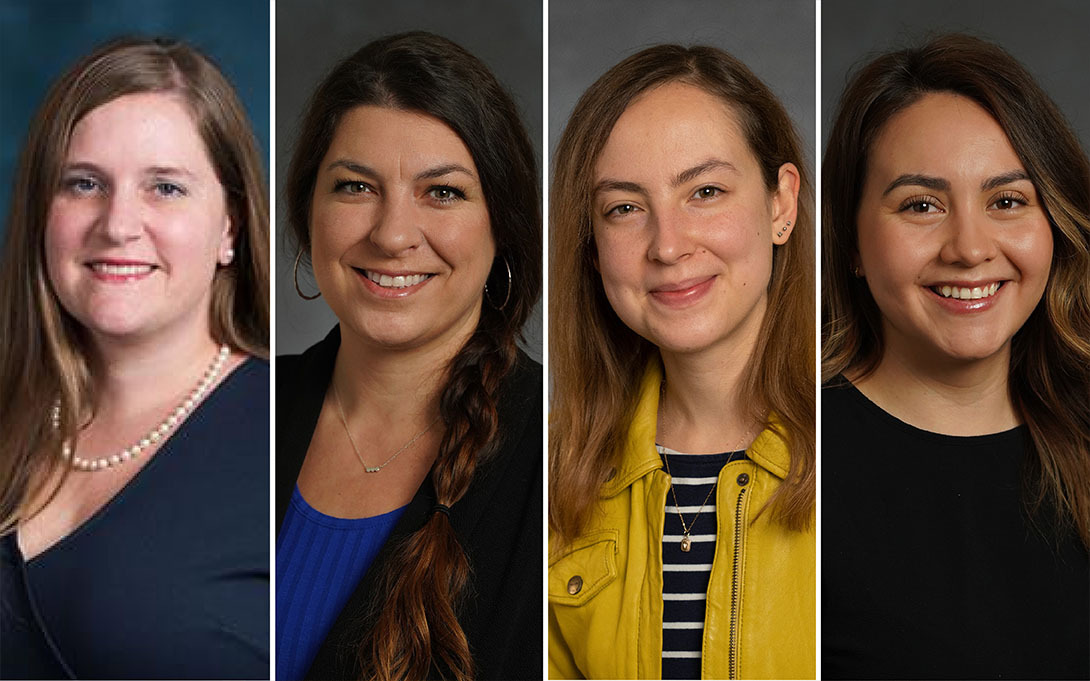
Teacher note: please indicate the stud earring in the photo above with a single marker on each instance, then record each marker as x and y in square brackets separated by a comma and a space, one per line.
[228, 256]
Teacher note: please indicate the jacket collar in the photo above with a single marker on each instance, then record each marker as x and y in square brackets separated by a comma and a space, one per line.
[639, 456]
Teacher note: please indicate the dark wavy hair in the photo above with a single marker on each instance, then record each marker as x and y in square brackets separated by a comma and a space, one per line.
[1050, 354]
[416, 632]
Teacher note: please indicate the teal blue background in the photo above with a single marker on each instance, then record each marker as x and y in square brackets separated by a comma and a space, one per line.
[40, 39]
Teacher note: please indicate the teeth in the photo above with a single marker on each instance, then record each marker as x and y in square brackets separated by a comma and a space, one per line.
[120, 270]
[966, 293]
[399, 281]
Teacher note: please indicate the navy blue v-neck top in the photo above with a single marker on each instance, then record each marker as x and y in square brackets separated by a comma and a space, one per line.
[170, 579]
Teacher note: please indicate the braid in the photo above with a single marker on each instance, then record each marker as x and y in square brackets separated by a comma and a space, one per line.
[427, 573]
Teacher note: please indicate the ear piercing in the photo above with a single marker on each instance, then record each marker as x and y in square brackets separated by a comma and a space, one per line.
[784, 230]
[228, 256]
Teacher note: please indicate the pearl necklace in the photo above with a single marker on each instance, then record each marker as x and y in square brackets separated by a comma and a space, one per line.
[158, 433]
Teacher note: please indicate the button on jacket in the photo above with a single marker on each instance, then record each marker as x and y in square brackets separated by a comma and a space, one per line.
[605, 588]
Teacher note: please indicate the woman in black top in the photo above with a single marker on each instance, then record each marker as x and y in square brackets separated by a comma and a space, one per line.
[133, 313]
[412, 193]
[956, 424]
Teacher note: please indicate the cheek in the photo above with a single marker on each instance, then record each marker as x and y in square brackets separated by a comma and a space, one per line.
[618, 261]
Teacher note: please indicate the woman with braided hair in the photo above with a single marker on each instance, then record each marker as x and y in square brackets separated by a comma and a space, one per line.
[409, 455]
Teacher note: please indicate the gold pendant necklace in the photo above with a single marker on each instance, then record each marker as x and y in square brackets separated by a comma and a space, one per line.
[686, 530]
[344, 422]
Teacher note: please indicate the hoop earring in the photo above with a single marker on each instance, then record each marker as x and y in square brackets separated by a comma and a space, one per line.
[499, 308]
[297, 289]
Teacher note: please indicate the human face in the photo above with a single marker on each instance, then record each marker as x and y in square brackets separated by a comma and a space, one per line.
[400, 236]
[684, 223]
[953, 240]
[139, 221]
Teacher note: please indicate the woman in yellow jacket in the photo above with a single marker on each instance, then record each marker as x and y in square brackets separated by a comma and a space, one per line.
[682, 343]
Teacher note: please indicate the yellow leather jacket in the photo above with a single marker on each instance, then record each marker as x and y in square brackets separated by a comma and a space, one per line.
[605, 588]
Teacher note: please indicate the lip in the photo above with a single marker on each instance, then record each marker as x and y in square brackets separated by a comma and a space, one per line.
[971, 305]
[387, 292]
[119, 270]
[680, 294]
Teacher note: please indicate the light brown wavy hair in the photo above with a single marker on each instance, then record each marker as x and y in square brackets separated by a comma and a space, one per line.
[1050, 355]
[414, 632]
[597, 361]
[46, 353]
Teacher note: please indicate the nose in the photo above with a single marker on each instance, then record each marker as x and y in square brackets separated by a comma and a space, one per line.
[395, 229]
[123, 218]
[968, 240]
[670, 238]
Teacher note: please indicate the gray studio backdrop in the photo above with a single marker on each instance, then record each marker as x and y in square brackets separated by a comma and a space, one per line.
[774, 38]
[1049, 37]
[40, 39]
[313, 36]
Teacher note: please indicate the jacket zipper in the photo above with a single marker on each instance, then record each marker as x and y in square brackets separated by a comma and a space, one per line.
[735, 588]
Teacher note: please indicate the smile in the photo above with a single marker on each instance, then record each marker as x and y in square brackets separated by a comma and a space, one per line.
[967, 292]
[396, 281]
[121, 270]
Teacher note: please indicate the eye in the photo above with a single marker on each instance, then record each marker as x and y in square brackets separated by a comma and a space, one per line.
[352, 187]
[81, 186]
[169, 190]
[920, 204]
[708, 192]
[1008, 201]
[445, 194]
[622, 209]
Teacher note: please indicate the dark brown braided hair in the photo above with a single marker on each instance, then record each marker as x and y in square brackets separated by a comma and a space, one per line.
[416, 630]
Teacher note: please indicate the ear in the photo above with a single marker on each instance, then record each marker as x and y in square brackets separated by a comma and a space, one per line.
[226, 253]
[785, 204]
[857, 266]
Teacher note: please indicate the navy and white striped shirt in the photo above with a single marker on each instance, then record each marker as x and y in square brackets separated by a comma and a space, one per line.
[685, 574]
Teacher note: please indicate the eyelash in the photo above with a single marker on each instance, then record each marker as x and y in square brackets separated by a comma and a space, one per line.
[342, 186]
[358, 188]
[84, 186]
[72, 184]
[617, 212]
[1013, 198]
[170, 190]
[716, 192]
[456, 194]
[919, 200]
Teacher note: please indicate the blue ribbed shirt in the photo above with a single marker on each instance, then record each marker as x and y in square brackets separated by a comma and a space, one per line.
[319, 561]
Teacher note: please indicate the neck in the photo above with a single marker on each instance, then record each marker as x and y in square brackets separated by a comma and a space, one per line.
[392, 386]
[702, 409]
[949, 397]
[132, 375]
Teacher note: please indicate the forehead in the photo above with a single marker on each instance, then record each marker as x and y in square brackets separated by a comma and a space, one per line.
[943, 134]
[671, 128]
[384, 136]
[147, 127]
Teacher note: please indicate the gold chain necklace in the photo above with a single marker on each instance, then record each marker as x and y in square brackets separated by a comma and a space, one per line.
[344, 422]
[686, 540]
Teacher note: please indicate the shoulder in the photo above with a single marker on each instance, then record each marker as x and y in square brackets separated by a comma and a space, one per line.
[294, 372]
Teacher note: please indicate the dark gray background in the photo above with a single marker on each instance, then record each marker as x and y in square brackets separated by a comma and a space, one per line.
[311, 37]
[1050, 37]
[40, 39]
[774, 38]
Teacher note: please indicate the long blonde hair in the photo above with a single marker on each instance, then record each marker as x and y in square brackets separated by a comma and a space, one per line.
[46, 355]
[597, 361]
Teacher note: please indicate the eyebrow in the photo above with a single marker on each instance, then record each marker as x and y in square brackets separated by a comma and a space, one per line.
[939, 184]
[688, 175]
[916, 180]
[426, 174]
[152, 170]
[1005, 178]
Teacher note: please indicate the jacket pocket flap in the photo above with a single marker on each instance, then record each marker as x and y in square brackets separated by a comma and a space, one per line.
[584, 569]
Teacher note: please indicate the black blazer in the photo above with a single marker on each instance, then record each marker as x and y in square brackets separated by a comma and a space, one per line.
[498, 523]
